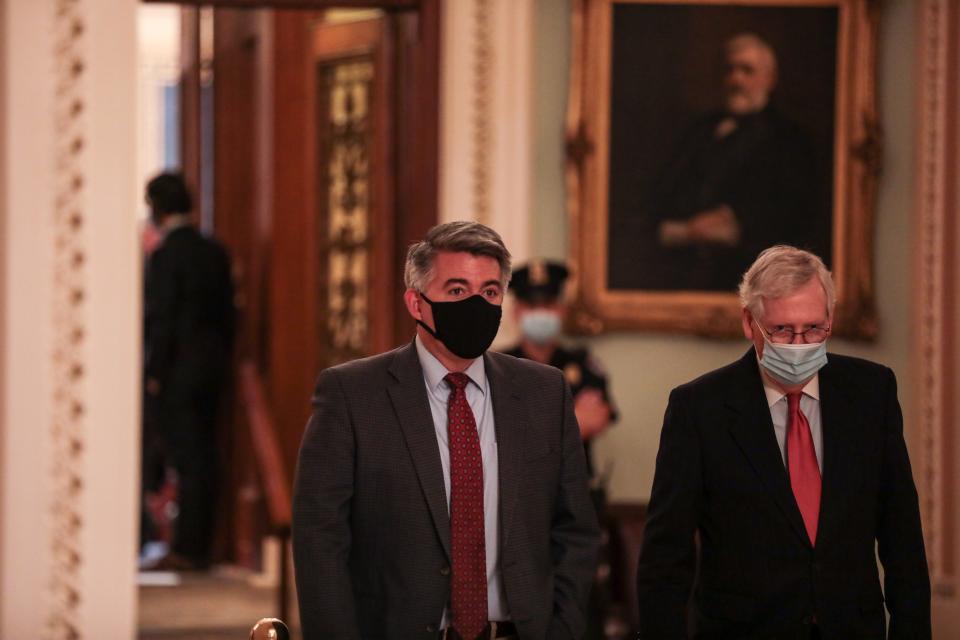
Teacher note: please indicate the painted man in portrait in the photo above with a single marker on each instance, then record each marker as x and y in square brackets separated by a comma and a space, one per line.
[743, 178]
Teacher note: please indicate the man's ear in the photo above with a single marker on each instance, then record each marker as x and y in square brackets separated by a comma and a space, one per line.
[746, 319]
[412, 300]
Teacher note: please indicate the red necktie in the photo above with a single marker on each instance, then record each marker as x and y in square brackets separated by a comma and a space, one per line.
[468, 600]
[802, 464]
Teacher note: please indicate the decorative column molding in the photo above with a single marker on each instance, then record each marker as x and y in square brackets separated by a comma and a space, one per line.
[68, 401]
[483, 60]
[937, 318]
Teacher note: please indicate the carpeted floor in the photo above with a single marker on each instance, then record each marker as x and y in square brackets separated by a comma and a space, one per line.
[220, 605]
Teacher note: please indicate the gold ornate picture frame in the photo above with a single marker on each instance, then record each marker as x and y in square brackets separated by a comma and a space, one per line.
[644, 76]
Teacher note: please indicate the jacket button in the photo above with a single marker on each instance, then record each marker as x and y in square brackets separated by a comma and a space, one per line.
[431, 628]
[445, 571]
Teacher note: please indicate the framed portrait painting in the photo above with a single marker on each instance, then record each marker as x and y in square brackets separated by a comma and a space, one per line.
[701, 133]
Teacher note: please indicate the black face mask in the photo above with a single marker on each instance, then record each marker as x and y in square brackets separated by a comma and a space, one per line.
[466, 327]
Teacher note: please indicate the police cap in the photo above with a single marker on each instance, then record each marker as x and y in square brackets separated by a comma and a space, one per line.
[539, 281]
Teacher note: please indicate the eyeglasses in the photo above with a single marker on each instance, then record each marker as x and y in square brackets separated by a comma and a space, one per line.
[783, 334]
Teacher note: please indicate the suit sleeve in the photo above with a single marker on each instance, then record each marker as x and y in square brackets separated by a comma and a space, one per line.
[323, 490]
[574, 535]
[899, 534]
[161, 313]
[668, 555]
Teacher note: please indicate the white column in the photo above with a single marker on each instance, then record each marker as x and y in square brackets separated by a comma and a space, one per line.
[486, 121]
[114, 315]
[511, 102]
[69, 372]
[486, 111]
[26, 254]
[457, 82]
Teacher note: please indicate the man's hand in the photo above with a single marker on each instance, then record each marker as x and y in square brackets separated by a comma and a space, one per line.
[593, 413]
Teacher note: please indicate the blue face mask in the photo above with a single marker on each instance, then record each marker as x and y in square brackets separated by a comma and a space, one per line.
[793, 364]
[540, 327]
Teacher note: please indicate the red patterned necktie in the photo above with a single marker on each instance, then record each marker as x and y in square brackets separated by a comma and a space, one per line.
[802, 464]
[468, 600]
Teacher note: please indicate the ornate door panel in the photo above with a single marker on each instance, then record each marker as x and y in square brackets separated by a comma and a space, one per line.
[354, 178]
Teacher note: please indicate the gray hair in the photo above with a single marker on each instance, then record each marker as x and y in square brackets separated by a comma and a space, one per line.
[462, 235]
[778, 272]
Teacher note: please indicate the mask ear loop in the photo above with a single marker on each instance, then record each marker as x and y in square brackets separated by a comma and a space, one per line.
[424, 324]
[762, 332]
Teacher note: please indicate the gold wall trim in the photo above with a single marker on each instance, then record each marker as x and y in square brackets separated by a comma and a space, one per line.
[480, 116]
[935, 317]
[68, 401]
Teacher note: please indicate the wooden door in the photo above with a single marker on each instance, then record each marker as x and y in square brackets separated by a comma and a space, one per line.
[353, 86]
[333, 276]
[323, 168]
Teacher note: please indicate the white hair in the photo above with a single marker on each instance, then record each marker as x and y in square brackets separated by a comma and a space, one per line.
[780, 271]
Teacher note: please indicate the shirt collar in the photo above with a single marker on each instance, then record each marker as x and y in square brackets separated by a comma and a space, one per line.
[434, 371]
[775, 395]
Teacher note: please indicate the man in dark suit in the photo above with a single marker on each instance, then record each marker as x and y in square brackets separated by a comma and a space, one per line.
[791, 469]
[441, 489]
[188, 334]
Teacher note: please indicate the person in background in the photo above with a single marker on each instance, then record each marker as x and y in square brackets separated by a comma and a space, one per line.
[540, 312]
[188, 338]
[789, 466]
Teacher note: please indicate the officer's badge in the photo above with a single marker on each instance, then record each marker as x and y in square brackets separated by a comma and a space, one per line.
[538, 273]
[573, 374]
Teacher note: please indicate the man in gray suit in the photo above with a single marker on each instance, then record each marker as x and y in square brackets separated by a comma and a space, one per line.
[441, 490]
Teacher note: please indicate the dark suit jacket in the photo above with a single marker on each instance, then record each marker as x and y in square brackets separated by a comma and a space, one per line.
[371, 532]
[188, 313]
[720, 474]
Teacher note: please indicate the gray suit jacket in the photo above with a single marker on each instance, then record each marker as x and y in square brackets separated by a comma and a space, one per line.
[371, 532]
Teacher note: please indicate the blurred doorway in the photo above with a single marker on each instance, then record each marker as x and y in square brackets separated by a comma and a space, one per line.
[309, 136]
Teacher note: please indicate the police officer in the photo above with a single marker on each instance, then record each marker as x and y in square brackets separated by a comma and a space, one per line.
[538, 288]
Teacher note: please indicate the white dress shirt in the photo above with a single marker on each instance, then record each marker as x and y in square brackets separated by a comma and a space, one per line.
[809, 405]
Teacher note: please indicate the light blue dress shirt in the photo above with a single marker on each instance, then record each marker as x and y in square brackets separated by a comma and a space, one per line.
[481, 403]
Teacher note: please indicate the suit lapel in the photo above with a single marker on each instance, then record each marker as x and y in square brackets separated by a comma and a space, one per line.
[752, 428]
[509, 415]
[409, 397]
[838, 419]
